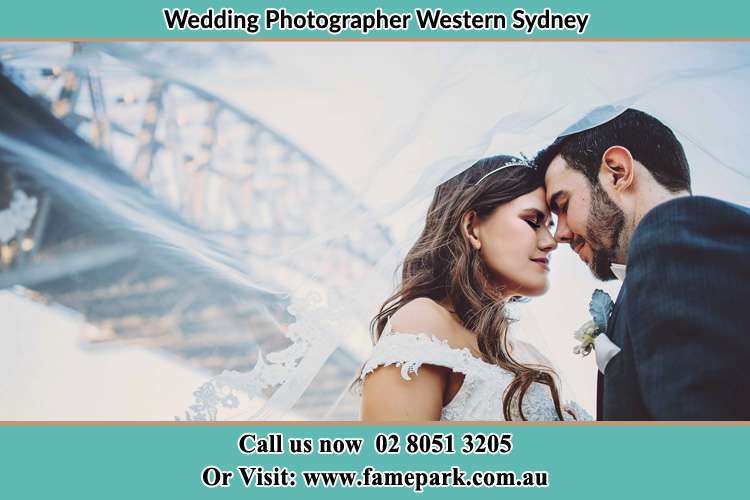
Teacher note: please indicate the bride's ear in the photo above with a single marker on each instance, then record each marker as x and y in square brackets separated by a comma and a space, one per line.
[469, 229]
[617, 169]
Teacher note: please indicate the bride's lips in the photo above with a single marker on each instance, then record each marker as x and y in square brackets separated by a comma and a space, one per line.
[543, 262]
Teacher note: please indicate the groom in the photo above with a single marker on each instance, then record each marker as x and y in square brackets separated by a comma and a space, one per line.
[681, 323]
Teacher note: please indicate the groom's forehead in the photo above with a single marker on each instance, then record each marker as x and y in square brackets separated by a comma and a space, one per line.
[560, 179]
[559, 174]
[556, 174]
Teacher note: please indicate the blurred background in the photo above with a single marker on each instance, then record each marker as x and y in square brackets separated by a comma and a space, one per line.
[171, 202]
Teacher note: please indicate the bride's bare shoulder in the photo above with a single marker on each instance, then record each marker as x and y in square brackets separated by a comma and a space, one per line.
[426, 316]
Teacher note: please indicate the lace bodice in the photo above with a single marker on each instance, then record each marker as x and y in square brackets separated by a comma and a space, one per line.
[480, 396]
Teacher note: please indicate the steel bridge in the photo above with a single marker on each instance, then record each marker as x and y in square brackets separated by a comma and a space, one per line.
[216, 177]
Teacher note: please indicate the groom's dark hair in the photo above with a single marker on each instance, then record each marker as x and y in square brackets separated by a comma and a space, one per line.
[650, 142]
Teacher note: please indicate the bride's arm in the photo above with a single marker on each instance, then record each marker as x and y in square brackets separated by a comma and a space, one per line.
[386, 396]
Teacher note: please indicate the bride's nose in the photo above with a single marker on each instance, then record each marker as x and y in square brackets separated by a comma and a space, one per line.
[546, 242]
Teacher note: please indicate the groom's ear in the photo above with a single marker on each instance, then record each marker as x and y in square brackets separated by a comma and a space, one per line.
[469, 228]
[617, 169]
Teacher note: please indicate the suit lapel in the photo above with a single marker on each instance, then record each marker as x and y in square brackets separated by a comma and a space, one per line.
[611, 330]
[611, 334]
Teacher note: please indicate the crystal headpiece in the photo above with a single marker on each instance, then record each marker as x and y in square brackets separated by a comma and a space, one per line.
[521, 162]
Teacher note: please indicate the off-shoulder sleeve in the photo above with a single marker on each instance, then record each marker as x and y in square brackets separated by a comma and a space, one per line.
[410, 351]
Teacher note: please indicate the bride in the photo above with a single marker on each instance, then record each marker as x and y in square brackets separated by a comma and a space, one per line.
[443, 351]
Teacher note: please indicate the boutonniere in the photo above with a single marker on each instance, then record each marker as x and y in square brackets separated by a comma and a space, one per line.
[600, 308]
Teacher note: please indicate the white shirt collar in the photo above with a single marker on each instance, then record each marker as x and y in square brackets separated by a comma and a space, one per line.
[619, 271]
[605, 350]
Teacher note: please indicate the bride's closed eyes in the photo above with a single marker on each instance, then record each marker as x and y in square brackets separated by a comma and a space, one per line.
[535, 218]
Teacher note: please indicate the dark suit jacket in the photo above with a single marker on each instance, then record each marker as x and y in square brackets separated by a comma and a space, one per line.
[682, 318]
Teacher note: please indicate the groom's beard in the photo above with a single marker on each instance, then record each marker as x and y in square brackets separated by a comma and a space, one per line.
[604, 228]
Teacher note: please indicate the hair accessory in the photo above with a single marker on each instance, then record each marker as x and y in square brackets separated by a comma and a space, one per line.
[523, 162]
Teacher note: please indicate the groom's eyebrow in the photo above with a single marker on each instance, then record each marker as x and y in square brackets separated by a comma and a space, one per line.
[553, 202]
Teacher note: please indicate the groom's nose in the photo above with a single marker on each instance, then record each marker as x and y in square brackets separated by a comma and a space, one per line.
[563, 233]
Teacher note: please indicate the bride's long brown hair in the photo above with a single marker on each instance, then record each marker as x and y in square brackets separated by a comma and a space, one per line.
[443, 266]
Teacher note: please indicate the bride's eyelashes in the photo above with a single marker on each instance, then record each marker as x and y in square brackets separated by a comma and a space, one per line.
[536, 218]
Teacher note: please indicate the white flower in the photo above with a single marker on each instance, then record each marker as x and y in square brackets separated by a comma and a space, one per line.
[586, 335]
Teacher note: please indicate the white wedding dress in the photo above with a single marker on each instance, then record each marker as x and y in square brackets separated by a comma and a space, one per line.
[480, 396]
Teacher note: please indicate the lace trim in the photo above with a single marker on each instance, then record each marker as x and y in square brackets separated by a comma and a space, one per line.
[581, 415]
[409, 351]
[246, 392]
